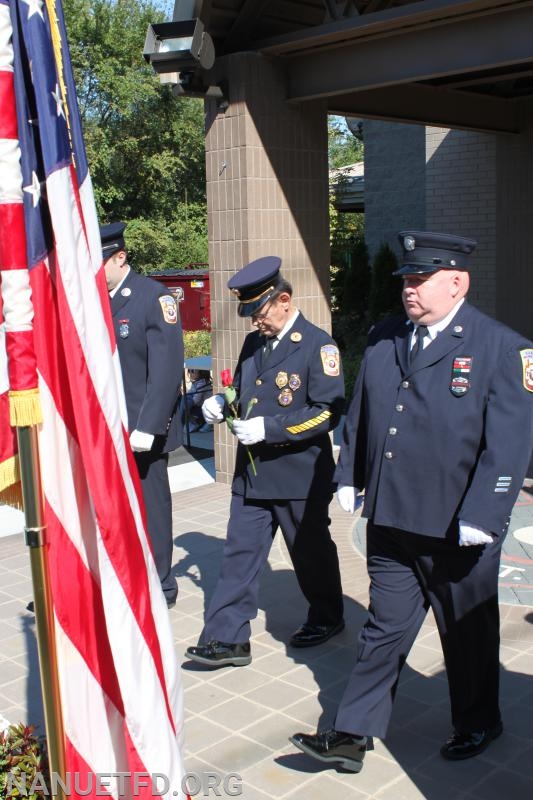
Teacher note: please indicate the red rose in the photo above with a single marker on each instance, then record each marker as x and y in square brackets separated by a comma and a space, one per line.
[226, 377]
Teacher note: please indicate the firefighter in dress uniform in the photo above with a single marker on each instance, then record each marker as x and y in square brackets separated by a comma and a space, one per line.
[291, 390]
[150, 349]
[439, 435]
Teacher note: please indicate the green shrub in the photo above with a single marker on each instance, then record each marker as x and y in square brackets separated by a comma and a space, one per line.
[350, 278]
[386, 288]
[197, 343]
[350, 333]
[23, 760]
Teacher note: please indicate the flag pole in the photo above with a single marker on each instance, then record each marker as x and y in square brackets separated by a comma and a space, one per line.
[35, 537]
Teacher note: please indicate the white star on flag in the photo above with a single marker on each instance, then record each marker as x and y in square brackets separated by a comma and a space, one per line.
[34, 189]
[59, 102]
[34, 7]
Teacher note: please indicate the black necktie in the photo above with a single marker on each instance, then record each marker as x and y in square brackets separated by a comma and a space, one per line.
[417, 348]
[267, 349]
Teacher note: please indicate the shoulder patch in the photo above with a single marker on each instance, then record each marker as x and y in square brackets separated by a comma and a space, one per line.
[168, 306]
[527, 368]
[329, 354]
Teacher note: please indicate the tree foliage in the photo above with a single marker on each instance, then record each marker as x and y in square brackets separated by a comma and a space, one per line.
[144, 146]
[343, 147]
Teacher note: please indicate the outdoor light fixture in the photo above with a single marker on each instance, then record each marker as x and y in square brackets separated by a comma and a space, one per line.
[179, 46]
[190, 84]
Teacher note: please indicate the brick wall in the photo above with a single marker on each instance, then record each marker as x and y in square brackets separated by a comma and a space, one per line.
[394, 181]
[267, 190]
[461, 198]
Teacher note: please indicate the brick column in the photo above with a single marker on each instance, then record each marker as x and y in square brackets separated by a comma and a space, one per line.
[461, 196]
[267, 194]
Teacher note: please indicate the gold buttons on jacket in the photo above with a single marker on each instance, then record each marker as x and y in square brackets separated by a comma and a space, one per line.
[405, 384]
[389, 455]
[393, 431]
[258, 382]
[399, 407]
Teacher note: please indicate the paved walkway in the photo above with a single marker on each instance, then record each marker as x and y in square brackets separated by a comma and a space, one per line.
[239, 719]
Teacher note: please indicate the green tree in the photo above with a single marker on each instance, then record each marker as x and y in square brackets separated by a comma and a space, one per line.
[350, 270]
[145, 147]
[343, 147]
[154, 244]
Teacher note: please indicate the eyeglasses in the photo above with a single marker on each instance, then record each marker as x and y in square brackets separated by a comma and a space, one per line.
[264, 315]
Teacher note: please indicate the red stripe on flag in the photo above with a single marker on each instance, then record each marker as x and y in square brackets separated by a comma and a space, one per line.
[22, 362]
[82, 781]
[8, 124]
[12, 246]
[80, 592]
[8, 437]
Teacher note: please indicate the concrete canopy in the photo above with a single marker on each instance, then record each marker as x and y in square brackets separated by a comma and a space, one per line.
[456, 63]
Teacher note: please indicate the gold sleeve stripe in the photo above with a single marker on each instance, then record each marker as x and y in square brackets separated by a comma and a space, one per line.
[310, 423]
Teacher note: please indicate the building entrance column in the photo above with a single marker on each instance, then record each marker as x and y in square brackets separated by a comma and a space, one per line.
[267, 194]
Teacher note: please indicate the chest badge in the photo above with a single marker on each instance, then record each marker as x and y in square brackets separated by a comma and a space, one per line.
[123, 328]
[285, 397]
[281, 379]
[460, 382]
[295, 382]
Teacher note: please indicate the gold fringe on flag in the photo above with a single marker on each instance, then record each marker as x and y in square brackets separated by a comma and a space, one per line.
[25, 408]
[10, 486]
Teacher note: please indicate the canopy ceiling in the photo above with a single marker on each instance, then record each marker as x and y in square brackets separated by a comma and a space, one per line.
[458, 63]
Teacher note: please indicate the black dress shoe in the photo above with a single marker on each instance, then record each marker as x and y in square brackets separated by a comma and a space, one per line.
[171, 602]
[310, 635]
[467, 745]
[220, 654]
[333, 747]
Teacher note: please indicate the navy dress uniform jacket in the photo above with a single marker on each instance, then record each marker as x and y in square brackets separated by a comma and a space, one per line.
[443, 440]
[151, 358]
[299, 392]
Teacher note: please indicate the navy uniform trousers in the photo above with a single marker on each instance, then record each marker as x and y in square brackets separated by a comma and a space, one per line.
[251, 530]
[158, 502]
[408, 574]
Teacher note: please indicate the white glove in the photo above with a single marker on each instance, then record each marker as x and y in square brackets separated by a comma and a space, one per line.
[213, 409]
[141, 442]
[472, 534]
[347, 497]
[249, 431]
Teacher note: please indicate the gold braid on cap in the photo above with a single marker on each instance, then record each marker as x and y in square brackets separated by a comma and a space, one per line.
[237, 293]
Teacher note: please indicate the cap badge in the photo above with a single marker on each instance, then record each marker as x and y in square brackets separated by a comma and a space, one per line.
[296, 336]
[285, 397]
[460, 382]
[453, 262]
[281, 379]
[409, 242]
[125, 292]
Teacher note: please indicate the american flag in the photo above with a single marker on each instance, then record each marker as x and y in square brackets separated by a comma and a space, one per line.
[9, 466]
[118, 675]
